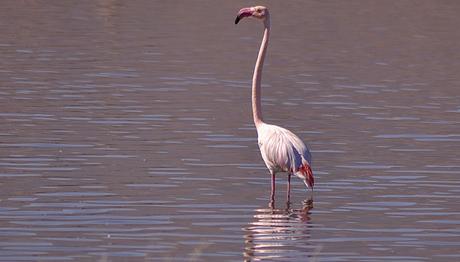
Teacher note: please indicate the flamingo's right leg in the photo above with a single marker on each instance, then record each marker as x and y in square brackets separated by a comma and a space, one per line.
[272, 196]
[288, 194]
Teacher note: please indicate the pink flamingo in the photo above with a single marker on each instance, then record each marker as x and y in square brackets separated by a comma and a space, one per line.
[281, 150]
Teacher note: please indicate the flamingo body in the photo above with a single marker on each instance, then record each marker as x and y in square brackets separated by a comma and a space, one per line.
[283, 151]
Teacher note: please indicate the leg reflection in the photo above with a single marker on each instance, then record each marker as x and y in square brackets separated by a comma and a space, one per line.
[280, 233]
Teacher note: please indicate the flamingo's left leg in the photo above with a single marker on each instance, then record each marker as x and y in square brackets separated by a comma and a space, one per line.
[288, 191]
[272, 196]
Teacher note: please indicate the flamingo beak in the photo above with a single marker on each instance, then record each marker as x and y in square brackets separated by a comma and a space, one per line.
[310, 180]
[307, 175]
[245, 12]
[309, 184]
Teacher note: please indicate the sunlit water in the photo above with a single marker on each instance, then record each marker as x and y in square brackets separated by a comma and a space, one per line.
[126, 131]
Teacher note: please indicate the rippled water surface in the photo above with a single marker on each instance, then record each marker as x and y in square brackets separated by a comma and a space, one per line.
[126, 131]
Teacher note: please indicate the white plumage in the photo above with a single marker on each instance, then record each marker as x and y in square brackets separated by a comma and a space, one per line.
[283, 151]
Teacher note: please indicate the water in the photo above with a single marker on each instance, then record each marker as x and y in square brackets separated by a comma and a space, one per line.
[126, 131]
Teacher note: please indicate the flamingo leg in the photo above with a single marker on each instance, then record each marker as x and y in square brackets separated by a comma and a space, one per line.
[288, 191]
[272, 196]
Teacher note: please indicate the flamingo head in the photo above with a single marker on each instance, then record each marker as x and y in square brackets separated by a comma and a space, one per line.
[306, 174]
[259, 12]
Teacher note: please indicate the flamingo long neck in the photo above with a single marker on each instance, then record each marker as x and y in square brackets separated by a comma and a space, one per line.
[257, 77]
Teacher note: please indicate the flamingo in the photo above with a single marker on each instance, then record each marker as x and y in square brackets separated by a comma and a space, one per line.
[281, 150]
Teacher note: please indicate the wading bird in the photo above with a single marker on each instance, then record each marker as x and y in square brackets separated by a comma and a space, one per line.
[281, 150]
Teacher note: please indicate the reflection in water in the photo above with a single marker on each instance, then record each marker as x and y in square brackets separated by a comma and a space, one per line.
[280, 234]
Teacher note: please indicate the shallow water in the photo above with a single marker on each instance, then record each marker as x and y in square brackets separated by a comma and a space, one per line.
[126, 131]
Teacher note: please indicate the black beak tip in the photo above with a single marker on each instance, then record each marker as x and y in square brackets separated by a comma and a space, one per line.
[237, 19]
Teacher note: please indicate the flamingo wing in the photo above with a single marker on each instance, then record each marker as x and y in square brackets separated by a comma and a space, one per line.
[283, 151]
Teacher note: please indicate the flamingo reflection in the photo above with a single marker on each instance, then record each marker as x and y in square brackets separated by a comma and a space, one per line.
[280, 234]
